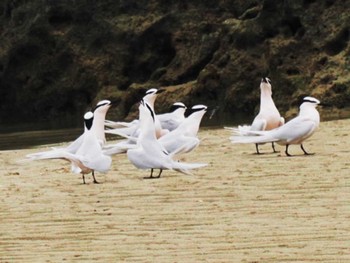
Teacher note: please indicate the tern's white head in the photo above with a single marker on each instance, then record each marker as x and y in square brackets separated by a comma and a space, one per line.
[265, 85]
[177, 106]
[151, 96]
[102, 106]
[311, 101]
[201, 109]
[194, 119]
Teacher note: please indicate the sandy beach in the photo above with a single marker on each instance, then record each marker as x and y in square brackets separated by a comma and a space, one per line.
[242, 207]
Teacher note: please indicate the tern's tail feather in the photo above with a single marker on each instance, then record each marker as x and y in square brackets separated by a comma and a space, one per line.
[186, 167]
[240, 130]
[53, 154]
[123, 132]
[56, 154]
[120, 124]
[121, 147]
[252, 139]
[244, 129]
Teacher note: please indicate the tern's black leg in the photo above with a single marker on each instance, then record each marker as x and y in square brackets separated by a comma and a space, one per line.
[287, 150]
[83, 178]
[151, 175]
[273, 147]
[160, 172]
[305, 152]
[93, 175]
[257, 148]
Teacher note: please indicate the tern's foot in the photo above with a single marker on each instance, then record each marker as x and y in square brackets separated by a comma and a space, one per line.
[151, 177]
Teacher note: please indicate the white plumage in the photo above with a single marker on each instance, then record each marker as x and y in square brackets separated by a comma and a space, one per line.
[268, 117]
[296, 131]
[87, 158]
[149, 153]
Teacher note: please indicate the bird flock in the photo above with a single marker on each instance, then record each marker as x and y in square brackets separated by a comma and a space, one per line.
[156, 141]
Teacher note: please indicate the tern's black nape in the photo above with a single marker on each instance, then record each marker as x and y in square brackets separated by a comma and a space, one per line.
[88, 119]
[151, 91]
[266, 80]
[177, 105]
[195, 109]
[102, 103]
[311, 100]
[150, 109]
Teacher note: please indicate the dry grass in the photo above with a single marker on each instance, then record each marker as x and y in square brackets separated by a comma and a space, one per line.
[241, 208]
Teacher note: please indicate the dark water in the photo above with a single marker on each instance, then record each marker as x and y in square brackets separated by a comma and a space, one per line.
[33, 134]
[27, 135]
[28, 139]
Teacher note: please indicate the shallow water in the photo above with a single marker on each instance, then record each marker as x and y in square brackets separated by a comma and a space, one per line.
[29, 135]
[28, 139]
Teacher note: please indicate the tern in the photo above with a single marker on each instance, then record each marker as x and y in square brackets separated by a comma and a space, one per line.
[133, 128]
[296, 131]
[100, 112]
[87, 159]
[268, 117]
[186, 133]
[171, 120]
[149, 153]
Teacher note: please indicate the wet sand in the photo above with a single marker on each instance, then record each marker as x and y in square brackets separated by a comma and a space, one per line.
[240, 208]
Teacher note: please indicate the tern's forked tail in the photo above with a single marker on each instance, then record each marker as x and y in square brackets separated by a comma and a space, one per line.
[252, 139]
[186, 167]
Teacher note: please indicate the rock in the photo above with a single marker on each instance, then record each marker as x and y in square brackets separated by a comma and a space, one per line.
[57, 58]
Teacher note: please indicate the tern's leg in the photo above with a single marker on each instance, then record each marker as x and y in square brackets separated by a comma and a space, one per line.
[287, 145]
[257, 148]
[93, 175]
[155, 177]
[83, 178]
[273, 147]
[151, 176]
[160, 172]
[306, 153]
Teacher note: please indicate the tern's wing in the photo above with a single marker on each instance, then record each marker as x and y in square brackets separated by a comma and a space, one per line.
[258, 124]
[169, 124]
[282, 121]
[74, 146]
[187, 144]
[297, 129]
[100, 163]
